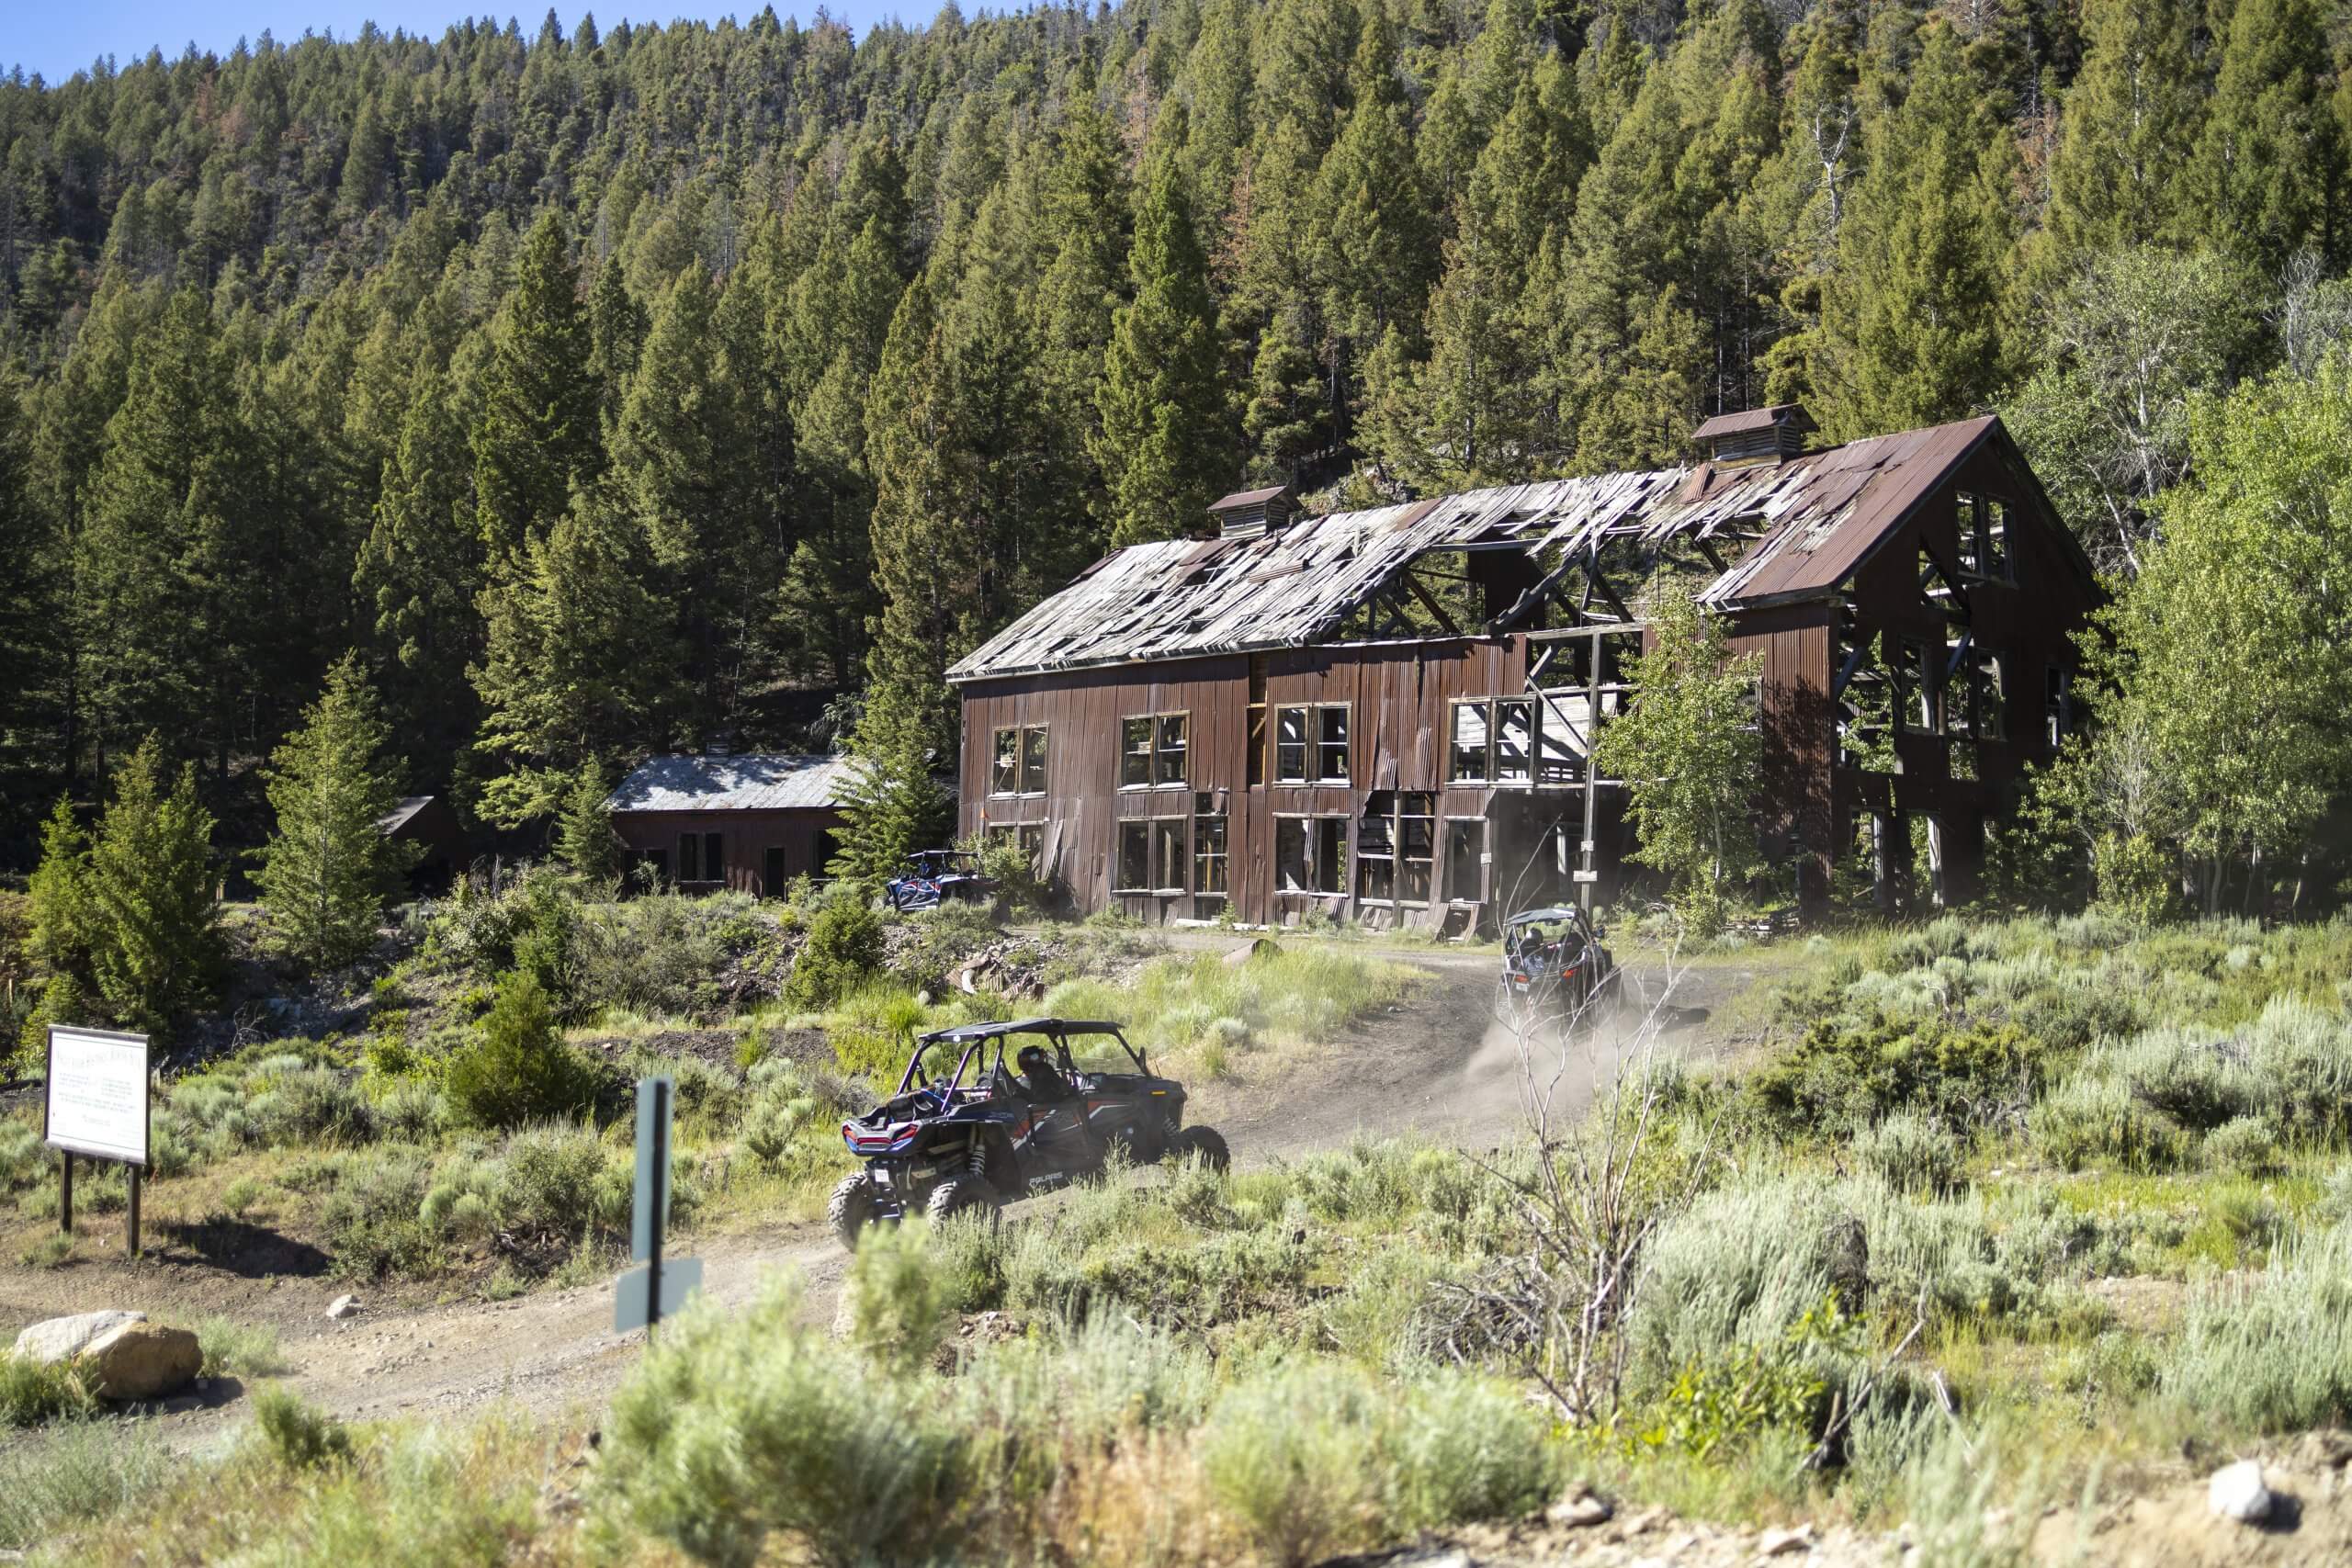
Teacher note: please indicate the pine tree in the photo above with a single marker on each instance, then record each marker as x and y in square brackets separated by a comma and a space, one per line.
[537, 435]
[2129, 129]
[34, 693]
[577, 665]
[2268, 175]
[1164, 447]
[329, 869]
[584, 837]
[928, 543]
[1288, 414]
[419, 574]
[1914, 314]
[156, 950]
[1375, 242]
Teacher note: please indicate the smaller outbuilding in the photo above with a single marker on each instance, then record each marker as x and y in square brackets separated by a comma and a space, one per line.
[751, 822]
[430, 825]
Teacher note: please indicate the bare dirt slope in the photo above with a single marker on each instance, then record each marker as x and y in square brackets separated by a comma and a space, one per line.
[1436, 1065]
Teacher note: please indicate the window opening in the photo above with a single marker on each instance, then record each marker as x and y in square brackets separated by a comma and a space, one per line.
[1134, 870]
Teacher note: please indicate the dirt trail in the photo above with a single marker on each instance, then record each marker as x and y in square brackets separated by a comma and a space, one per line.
[1436, 1065]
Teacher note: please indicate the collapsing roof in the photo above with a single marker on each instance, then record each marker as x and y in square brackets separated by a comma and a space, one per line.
[1800, 525]
[771, 782]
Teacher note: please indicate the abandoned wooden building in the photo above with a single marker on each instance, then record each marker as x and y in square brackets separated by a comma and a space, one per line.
[752, 822]
[1386, 714]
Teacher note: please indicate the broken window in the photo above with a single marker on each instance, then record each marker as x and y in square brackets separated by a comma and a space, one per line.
[1152, 750]
[2057, 704]
[1310, 854]
[1989, 690]
[1290, 746]
[1135, 753]
[1514, 741]
[1167, 855]
[1331, 854]
[1311, 744]
[1331, 742]
[1018, 761]
[1208, 848]
[1471, 764]
[1291, 868]
[690, 857]
[1465, 860]
[1915, 687]
[1134, 870]
[1967, 506]
[1376, 849]
[1995, 536]
[1416, 846]
[1169, 767]
[1033, 847]
[1560, 738]
[1983, 535]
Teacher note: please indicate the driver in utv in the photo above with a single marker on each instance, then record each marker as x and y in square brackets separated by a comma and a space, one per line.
[1045, 1084]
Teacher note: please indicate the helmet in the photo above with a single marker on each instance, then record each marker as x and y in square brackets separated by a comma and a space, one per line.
[1031, 1056]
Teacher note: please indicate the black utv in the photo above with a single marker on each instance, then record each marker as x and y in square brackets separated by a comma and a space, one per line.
[994, 1112]
[1555, 969]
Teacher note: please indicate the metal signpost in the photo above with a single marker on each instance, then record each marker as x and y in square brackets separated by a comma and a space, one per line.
[659, 1290]
[94, 1103]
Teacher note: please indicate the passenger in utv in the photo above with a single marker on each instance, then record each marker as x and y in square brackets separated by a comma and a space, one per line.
[1045, 1084]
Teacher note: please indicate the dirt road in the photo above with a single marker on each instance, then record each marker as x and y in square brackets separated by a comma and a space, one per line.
[1436, 1065]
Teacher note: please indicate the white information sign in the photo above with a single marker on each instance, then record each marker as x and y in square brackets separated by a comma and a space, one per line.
[96, 1102]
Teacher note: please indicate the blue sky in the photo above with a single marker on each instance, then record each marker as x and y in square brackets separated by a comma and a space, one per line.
[58, 37]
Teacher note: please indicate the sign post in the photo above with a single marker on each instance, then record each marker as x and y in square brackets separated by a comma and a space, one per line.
[645, 1296]
[94, 1103]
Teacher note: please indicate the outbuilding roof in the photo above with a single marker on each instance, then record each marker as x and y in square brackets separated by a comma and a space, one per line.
[403, 814]
[1802, 526]
[753, 782]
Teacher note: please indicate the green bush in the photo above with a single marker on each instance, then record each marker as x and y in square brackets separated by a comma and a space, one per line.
[370, 1217]
[518, 1070]
[662, 955]
[739, 1422]
[297, 1434]
[2276, 1353]
[1910, 1153]
[240, 1349]
[82, 1473]
[897, 1297]
[1964, 1073]
[32, 1392]
[842, 952]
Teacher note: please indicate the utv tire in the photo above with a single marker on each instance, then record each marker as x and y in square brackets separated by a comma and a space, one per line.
[850, 1209]
[963, 1195]
[1205, 1142]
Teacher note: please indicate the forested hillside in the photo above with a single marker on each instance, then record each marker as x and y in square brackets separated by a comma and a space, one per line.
[615, 391]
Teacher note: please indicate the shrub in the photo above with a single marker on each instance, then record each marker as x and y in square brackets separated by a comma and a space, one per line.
[410, 1113]
[1910, 1153]
[662, 955]
[2245, 1144]
[2275, 1353]
[370, 1217]
[239, 1197]
[739, 1422]
[32, 1392]
[842, 952]
[1292, 1460]
[518, 1070]
[1963, 1072]
[551, 1181]
[897, 1301]
[239, 1350]
[298, 1434]
[84, 1473]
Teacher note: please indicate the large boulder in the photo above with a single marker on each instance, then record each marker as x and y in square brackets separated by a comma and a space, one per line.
[140, 1361]
[62, 1339]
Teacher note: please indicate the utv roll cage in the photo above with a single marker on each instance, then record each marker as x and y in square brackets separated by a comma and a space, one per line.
[979, 1049]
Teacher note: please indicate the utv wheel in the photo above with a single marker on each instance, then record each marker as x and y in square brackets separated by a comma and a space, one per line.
[962, 1195]
[851, 1208]
[1205, 1142]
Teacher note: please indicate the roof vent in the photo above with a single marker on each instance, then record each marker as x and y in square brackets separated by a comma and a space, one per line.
[1252, 513]
[1756, 436]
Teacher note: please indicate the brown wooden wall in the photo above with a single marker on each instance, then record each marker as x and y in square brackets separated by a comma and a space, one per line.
[747, 836]
[1400, 697]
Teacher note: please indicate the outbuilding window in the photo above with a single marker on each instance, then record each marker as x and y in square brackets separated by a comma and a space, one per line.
[1018, 761]
[1311, 744]
[1133, 874]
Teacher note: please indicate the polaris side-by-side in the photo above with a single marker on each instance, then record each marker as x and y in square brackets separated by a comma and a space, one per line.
[1555, 969]
[934, 877]
[994, 1112]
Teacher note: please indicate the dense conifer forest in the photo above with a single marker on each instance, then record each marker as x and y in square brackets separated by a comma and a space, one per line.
[607, 391]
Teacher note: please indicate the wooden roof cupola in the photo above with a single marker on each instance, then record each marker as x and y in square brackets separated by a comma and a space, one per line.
[1771, 434]
[1251, 513]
